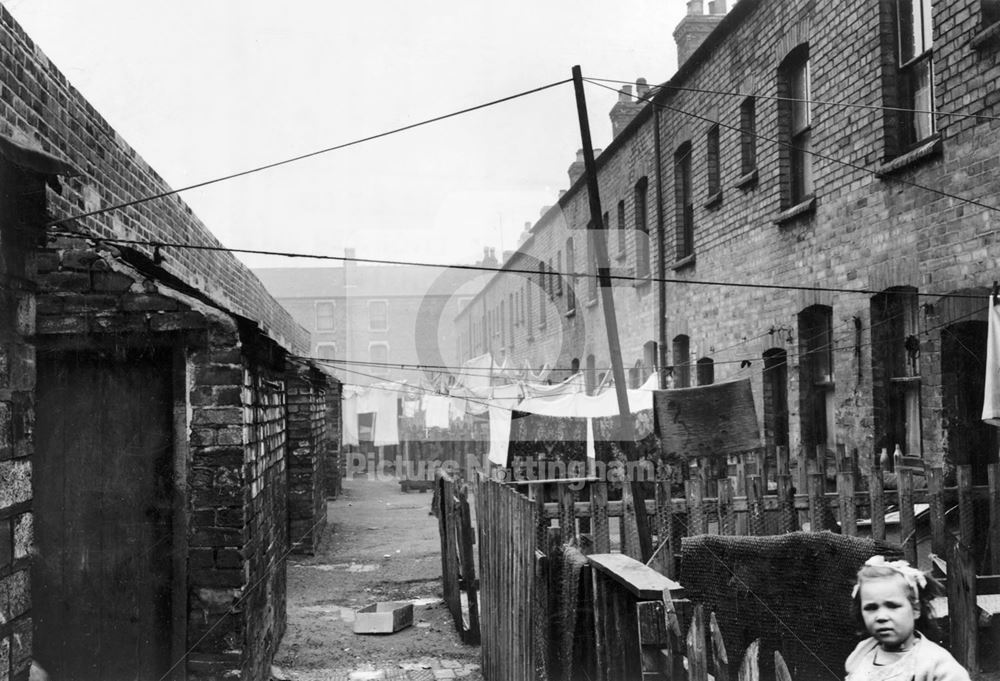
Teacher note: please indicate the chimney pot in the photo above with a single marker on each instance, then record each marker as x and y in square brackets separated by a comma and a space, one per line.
[579, 155]
[696, 7]
[717, 6]
[625, 94]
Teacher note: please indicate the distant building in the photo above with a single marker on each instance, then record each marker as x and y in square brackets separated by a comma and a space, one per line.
[373, 323]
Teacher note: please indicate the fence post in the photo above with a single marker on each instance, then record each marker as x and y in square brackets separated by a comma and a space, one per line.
[720, 660]
[845, 495]
[599, 516]
[907, 522]
[697, 657]
[468, 565]
[755, 504]
[877, 495]
[966, 523]
[962, 611]
[993, 470]
[816, 484]
[935, 491]
[786, 499]
[664, 528]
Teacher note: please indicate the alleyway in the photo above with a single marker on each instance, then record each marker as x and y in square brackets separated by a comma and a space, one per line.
[380, 545]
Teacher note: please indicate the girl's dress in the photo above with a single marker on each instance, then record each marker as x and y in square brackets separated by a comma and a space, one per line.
[926, 661]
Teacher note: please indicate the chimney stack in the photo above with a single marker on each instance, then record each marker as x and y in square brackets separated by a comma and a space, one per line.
[626, 108]
[695, 27]
[576, 168]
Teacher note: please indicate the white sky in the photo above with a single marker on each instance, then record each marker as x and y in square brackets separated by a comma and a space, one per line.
[209, 87]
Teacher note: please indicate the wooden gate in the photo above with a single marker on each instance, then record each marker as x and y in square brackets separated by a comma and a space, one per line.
[458, 565]
[103, 514]
[507, 522]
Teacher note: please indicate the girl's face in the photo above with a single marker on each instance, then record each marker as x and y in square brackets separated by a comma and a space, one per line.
[886, 609]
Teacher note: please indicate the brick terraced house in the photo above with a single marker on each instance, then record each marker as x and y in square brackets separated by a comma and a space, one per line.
[845, 150]
[161, 447]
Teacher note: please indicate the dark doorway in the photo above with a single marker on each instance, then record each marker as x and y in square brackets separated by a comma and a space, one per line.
[103, 514]
[963, 371]
[776, 397]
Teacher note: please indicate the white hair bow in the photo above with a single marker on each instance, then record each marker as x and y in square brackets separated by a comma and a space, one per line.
[914, 577]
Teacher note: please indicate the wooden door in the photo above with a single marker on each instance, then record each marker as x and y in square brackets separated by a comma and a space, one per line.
[103, 515]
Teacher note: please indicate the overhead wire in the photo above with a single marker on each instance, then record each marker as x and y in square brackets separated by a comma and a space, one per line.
[301, 157]
[493, 270]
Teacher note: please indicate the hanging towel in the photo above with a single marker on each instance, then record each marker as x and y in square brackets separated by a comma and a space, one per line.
[991, 394]
[349, 417]
[410, 407]
[386, 418]
[436, 411]
[499, 434]
[710, 420]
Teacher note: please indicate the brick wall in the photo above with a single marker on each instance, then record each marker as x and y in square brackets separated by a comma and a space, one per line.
[39, 107]
[265, 450]
[307, 456]
[335, 463]
[19, 219]
[865, 231]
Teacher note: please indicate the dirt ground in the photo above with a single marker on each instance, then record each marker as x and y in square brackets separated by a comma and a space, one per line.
[381, 544]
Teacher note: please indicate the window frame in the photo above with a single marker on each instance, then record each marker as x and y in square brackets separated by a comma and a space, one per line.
[748, 136]
[378, 369]
[713, 162]
[640, 217]
[371, 318]
[333, 315]
[683, 203]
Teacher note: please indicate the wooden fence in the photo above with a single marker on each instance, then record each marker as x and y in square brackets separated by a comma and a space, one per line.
[521, 526]
[458, 566]
[638, 631]
[507, 522]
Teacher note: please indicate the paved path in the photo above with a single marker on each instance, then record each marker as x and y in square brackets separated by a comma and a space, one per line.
[381, 545]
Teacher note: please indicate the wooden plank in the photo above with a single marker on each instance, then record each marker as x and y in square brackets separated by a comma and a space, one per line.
[629, 528]
[846, 485]
[600, 625]
[755, 499]
[750, 667]
[642, 582]
[781, 672]
[963, 616]
[664, 529]
[599, 504]
[907, 522]
[697, 655]
[720, 660]
[727, 516]
[993, 473]
[815, 483]
[966, 524]
[935, 489]
[673, 652]
[695, 491]
[877, 492]
[786, 501]
[567, 516]
[469, 568]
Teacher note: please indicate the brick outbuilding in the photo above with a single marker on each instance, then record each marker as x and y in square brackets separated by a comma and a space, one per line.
[151, 400]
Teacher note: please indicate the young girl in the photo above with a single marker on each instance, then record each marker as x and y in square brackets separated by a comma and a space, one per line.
[893, 603]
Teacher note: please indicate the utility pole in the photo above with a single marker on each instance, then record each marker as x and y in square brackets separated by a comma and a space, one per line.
[597, 237]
